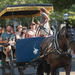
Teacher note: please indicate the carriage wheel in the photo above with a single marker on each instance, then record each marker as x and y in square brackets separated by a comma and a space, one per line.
[20, 69]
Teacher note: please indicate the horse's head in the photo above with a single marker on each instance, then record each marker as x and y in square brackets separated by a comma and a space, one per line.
[70, 36]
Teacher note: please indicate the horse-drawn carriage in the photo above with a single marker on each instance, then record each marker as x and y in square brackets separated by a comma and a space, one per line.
[27, 50]
[55, 50]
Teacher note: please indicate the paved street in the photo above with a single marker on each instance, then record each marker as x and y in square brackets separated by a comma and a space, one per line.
[32, 71]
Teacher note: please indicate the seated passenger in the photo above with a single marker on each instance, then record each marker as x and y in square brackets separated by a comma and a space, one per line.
[0, 31]
[1, 46]
[3, 29]
[12, 29]
[6, 39]
[38, 28]
[32, 32]
[19, 32]
[37, 24]
[24, 32]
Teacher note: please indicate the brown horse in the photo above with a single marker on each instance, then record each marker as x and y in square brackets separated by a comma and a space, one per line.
[57, 52]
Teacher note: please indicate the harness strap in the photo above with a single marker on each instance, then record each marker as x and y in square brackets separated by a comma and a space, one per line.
[56, 50]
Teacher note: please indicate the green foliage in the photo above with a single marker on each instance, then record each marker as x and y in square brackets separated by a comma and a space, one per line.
[2, 23]
[60, 5]
[71, 12]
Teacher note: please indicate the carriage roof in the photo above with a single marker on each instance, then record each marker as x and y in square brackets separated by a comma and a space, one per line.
[27, 10]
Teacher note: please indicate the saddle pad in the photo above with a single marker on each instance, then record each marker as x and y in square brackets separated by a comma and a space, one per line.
[28, 49]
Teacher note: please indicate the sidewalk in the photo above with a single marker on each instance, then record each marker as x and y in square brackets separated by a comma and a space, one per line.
[63, 73]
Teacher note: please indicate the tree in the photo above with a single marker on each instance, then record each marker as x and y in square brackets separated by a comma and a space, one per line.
[60, 5]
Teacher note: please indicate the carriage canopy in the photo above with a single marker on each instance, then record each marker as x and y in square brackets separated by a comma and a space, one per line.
[27, 10]
[27, 49]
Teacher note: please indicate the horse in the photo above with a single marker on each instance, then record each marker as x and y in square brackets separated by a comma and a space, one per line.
[56, 52]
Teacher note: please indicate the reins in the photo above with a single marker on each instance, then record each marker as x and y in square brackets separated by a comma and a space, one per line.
[56, 50]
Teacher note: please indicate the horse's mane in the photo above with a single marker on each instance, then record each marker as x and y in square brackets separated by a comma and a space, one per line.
[62, 32]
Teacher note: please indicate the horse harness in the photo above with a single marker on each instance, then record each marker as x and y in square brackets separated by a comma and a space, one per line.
[56, 50]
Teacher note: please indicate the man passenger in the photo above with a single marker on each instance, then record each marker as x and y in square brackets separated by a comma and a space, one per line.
[6, 39]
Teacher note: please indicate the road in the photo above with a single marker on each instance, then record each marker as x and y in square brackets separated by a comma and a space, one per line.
[32, 71]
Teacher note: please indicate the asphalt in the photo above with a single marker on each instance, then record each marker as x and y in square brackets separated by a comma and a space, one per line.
[32, 71]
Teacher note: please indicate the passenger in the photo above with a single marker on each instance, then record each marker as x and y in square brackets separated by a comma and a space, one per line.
[19, 32]
[3, 29]
[32, 32]
[0, 39]
[12, 30]
[6, 39]
[38, 28]
[1, 46]
[0, 31]
[44, 23]
[24, 32]
[37, 24]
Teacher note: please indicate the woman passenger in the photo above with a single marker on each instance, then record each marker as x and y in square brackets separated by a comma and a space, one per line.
[19, 32]
[32, 32]
[44, 22]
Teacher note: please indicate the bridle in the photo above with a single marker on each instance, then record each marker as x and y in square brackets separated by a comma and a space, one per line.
[72, 37]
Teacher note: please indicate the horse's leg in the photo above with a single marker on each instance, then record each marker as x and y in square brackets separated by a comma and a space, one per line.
[46, 67]
[57, 72]
[53, 71]
[43, 68]
[68, 69]
[39, 69]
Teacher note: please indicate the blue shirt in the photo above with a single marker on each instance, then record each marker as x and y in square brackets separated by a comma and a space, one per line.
[6, 36]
